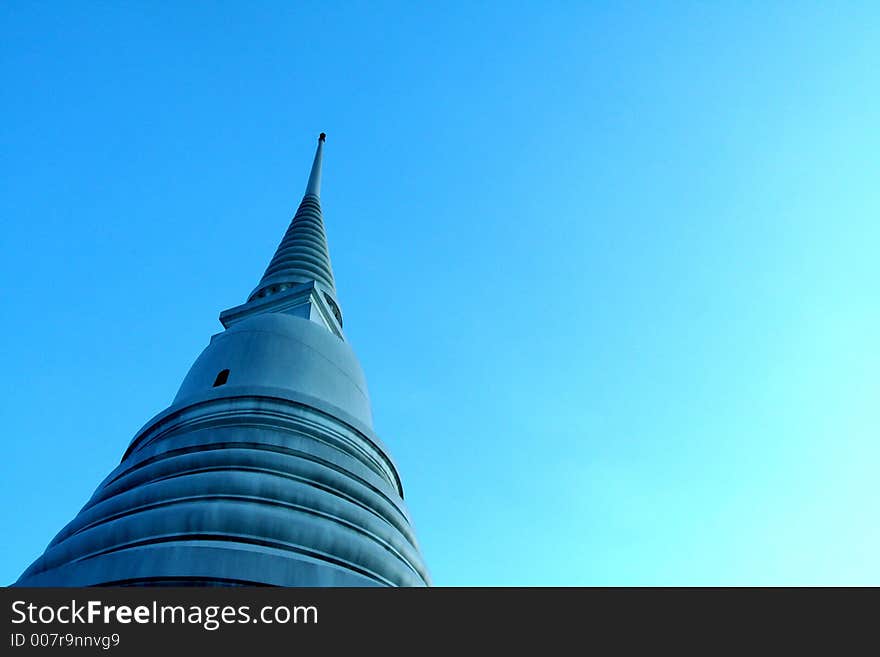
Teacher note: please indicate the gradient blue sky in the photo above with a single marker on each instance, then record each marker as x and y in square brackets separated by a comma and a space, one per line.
[611, 268]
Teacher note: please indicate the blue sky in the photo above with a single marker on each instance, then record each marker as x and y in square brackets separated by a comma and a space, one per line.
[611, 268]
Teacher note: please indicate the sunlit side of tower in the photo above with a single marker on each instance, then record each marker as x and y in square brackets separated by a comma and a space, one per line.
[265, 469]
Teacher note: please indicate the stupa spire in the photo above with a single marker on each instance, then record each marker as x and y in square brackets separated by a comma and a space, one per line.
[303, 255]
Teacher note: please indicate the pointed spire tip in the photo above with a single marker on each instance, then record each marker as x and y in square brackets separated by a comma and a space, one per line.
[314, 185]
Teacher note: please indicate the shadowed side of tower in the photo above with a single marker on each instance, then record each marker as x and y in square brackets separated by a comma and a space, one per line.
[265, 469]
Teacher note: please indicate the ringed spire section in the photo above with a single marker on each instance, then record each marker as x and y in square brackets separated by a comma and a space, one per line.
[303, 255]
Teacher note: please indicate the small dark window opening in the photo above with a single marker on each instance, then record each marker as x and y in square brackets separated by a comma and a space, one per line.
[221, 378]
